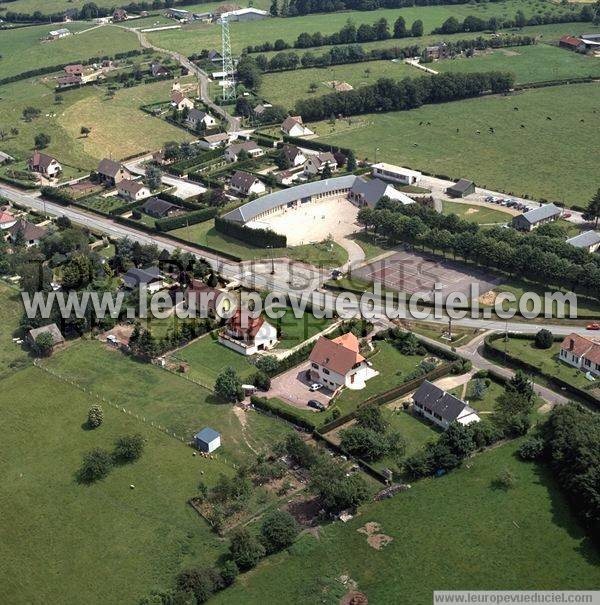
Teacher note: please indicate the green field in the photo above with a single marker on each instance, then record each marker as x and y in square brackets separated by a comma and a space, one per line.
[12, 356]
[101, 544]
[476, 537]
[164, 398]
[193, 38]
[206, 235]
[522, 161]
[487, 403]
[482, 215]
[22, 49]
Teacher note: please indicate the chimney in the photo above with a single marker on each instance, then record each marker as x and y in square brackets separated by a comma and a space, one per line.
[571, 344]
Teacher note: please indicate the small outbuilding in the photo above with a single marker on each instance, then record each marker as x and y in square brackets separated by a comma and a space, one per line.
[536, 217]
[207, 440]
[588, 240]
[51, 329]
[462, 188]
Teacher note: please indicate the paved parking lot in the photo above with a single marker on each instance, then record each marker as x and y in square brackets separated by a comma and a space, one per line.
[292, 387]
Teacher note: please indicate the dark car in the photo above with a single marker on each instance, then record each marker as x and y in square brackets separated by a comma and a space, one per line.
[317, 405]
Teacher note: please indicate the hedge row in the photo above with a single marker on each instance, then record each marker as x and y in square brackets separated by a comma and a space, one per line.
[287, 412]
[60, 196]
[261, 238]
[312, 144]
[192, 218]
[181, 166]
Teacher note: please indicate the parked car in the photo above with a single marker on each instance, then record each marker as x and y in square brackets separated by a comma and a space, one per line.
[317, 405]
[315, 386]
[567, 214]
[593, 326]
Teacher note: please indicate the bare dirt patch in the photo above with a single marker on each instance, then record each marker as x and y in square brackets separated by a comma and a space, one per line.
[488, 298]
[375, 539]
[472, 210]
[354, 597]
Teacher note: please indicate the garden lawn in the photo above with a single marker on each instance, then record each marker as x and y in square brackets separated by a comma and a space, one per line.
[487, 404]
[545, 360]
[12, 356]
[295, 331]
[393, 368]
[482, 215]
[206, 235]
[526, 161]
[100, 544]
[164, 398]
[23, 49]
[523, 538]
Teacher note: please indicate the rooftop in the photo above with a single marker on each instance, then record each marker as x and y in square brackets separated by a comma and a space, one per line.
[541, 213]
[585, 239]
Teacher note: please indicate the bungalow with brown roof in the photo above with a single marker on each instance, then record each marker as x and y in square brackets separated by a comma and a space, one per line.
[338, 363]
[214, 141]
[294, 127]
[68, 81]
[180, 102]
[133, 190]
[44, 164]
[246, 184]
[316, 164]
[581, 352]
[25, 231]
[252, 150]
[111, 173]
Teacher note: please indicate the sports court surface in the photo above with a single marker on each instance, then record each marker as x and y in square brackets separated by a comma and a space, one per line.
[412, 272]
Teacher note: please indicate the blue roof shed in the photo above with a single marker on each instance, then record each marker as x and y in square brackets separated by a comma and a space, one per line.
[207, 440]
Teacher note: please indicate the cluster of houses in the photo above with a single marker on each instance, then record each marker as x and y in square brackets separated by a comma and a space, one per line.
[586, 43]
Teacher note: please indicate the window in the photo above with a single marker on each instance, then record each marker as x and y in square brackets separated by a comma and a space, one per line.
[315, 366]
[325, 371]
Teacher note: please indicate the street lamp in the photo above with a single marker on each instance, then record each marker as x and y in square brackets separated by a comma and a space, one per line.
[272, 260]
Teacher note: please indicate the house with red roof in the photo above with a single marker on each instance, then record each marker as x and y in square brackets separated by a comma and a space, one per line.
[7, 220]
[581, 352]
[338, 363]
[247, 334]
[572, 43]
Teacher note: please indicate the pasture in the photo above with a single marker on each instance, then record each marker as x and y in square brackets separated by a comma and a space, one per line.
[173, 402]
[12, 356]
[525, 156]
[22, 49]
[63, 542]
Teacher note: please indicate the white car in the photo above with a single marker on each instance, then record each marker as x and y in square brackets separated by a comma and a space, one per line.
[315, 386]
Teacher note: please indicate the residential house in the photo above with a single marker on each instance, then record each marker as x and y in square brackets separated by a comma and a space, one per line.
[71, 14]
[159, 71]
[7, 220]
[315, 164]
[294, 127]
[396, 174]
[58, 33]
[63, 82]
[198, 119]
[581, 352]
[286, 177]
[252, 150]
[119, 14]
[149, 277]
[338, 363]
[44, 164]
[246, 184]
[588, 240]
[572, 43]
[529, 221]
[111, 173]
[368, 192]
[158, 208]
[28, 232]
[462, 188]
[206, 301]
[442, 408]
[248, 335]
[207, 440]
[293, 155]
[180, 102]
[214, 141]
[260, 109]
[52, 329]
[437, 51]
[133, 190]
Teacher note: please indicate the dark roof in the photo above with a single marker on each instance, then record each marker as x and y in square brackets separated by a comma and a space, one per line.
[30, 231]
[373, 190]
[291, 152]
[69, 80]
[109, 168]
[196, 114]
[214, 54]
[207, 435]
[247, 146]
[157, 207]
[131, 186]
[461, 186]
[41, 159]
[447, 406]
[135, 277]
[242, 180]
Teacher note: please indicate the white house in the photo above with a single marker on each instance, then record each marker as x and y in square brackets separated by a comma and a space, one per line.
[246, 184]
[294, 155]
[197, 118]
[207, 440]
[338, 363]
[315, 164]
[442, 408]
[44, 164]
[396, 174]
[581, 352]
[250, 147]
[58, 33]
[248, 335]
[26, 232]
[179, 101]
[294, 127]
[588, 240]
[133, 190]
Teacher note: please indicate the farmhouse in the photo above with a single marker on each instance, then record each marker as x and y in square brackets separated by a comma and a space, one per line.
[316, 164]
[58, 33]
[28, 232]
[294, 155]
[133, 190]
[52, 329]
[119, 14]
[338, 363]
[214, 141]
[248, 335]
[149, 277]
[111, 173]
[581, 352]
[461, 188]
[179, 101]
[44, 164]
[246, 184]
[207, 440]
[396, 174]
[442, 408]
[179, 14]
[588, 240]
[252, 150]
[368, 193]
[536, 217]
[7, 220]
[572, 43]
[74, 70]
[294, 127]
[199, 120]
[158, 208]
[68, 81]
[437, 51]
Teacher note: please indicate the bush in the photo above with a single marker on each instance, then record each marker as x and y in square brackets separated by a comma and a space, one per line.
[95, 416]
[506, 479]
[532, 449]
[261, 381]
[261, 238]
[278, 530]
[191, 218]
[95, 466]
[245, 549]
[229, 572]
[129, 448]
[268, 364]
[544, 339]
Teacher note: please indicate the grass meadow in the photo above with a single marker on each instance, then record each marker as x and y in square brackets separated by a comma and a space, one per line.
[475, 537]
[105, 543]
[12, 356]
[525, 156]
[482, 215]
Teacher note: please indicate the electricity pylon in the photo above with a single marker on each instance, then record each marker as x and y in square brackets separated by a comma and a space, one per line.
[228, 70]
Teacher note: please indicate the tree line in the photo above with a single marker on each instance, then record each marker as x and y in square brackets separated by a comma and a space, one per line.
[539, 258]
[390, 95]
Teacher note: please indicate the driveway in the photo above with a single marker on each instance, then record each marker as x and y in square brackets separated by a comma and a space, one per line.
[183, 188]
[292, 387]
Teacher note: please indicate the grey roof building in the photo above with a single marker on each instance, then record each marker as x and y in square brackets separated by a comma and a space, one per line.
[207, 440]
[135, 277]
[369, 192]
[461, 188]
[442, 408]
[590, 240]
[536, 217]
[158, 208]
